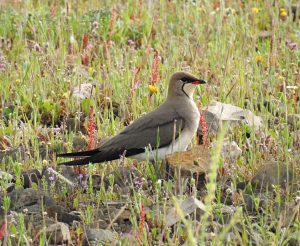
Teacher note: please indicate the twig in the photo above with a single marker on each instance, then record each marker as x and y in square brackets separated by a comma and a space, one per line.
[122, 209]
[69, 182]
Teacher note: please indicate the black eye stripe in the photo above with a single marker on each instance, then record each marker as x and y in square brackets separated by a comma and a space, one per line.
[187, 80]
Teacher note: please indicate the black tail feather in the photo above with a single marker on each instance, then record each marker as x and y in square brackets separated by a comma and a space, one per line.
[79, 162]
[79, 154]
[97, 156]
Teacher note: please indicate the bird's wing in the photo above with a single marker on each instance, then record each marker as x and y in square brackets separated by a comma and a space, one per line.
[156, 129]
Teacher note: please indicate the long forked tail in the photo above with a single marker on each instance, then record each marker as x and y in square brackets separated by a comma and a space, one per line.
[78, 162]
[79, 154]
[92, 156]
[97, 156]
[84, 155]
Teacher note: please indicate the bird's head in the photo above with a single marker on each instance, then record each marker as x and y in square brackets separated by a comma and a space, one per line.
[182, 83]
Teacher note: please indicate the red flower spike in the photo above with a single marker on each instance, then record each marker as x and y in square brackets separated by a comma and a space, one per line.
[85, 41]
[135, 80]
[2, 231]
[204, 126]
[85, 59]
[155, 69]
[142, 222]
[91, 129]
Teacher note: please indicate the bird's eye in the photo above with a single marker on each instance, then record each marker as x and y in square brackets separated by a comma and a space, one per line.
[186, 80]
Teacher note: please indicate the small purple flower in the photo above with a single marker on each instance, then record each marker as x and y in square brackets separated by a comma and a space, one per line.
[52, 178]
[80, 176]
[130, 42]
[49, 169]
[10, 214]
[90, 47]
[138, 182]
[56, 130]
[291, 45]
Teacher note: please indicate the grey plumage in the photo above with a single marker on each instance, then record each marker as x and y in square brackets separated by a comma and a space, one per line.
[155, 129]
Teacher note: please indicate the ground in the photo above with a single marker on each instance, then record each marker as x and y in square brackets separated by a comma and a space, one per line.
[74, 73]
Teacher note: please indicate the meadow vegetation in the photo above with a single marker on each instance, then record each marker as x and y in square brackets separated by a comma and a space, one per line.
[248, 51]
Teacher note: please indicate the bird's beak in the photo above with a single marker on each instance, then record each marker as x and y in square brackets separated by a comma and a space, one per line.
[199, 82]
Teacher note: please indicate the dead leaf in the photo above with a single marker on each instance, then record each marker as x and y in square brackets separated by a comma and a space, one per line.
[83, 91]
[188, 206]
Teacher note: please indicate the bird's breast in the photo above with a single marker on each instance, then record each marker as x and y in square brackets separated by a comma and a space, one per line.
[192, 116]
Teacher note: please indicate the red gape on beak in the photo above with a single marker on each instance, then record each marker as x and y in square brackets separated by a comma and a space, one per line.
[199, 82]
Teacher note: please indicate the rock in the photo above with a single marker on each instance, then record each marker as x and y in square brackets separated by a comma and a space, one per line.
[224, 214]
[79, 141]
[68, 173]
[76, 124]
[231, 151]
[98, 236]
[122, 214]
[294, 239]
[230, 113]
[48, 201]
[83, 91]
[274, 173]
[8, 180]
[119, 216]
[31, 176]
[194, 161]
[212, 121]
[294, 120]
[58, 234]
[187, 207]
[25, 199]
[250, 201]
[61, 214]
[29, 200]
[10, 187]
[37, 221]
[34, 203]
[128, 239]
[289, 213]
[296, 140]
[4, 176]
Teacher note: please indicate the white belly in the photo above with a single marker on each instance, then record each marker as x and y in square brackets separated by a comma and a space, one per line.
[180, 144]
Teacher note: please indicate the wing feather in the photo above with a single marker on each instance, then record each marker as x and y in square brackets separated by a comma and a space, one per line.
[155, 129]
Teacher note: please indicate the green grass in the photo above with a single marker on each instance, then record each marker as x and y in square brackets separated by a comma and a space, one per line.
[221, 45]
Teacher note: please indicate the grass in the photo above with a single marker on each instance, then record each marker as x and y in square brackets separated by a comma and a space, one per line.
[222, 42]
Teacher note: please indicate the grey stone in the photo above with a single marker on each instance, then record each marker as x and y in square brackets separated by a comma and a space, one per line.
[99, 236]
[58, 233]
[274, 173]
[61, 214]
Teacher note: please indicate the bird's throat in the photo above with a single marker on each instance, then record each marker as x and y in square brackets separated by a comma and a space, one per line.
[188, 90]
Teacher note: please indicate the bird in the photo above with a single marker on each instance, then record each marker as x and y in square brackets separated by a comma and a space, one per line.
[167, 129]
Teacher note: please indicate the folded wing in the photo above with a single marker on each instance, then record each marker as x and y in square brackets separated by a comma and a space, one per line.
[155, 129]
